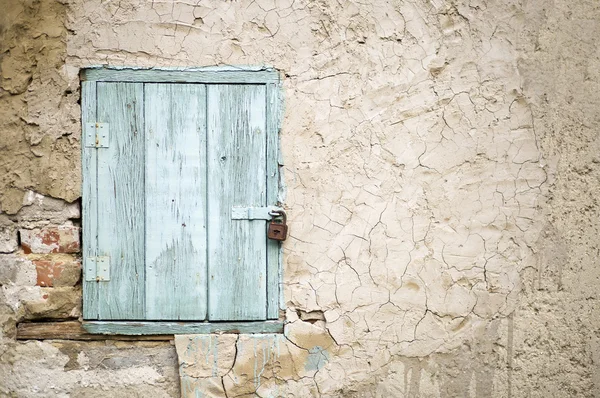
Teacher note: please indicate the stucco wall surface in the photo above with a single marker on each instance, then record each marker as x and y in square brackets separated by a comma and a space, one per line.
[441, 164]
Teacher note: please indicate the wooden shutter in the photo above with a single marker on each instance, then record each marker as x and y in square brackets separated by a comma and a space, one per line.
[158, 196]
[120, 217]
[237, 177]
[175, 129]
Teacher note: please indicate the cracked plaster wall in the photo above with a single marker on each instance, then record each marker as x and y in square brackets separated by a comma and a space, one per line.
[441, 171]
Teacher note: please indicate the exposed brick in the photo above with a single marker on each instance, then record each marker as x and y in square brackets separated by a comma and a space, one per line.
[57, 272]
[63, 239]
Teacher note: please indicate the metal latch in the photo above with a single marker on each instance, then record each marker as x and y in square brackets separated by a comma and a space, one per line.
[97, 135]
[97, 269]
[253, 213]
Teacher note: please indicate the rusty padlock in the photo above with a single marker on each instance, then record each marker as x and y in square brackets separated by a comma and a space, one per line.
[278, 229]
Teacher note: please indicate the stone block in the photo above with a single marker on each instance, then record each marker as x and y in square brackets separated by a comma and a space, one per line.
[210, 387]
[62, 271]
[89, 370]
[64, 239]
[39, 210]
[54, 303]
[16, 270]
[205, 355]
[8, 235]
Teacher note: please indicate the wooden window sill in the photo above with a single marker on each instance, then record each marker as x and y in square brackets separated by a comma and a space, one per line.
[158, 327]
[136, 331]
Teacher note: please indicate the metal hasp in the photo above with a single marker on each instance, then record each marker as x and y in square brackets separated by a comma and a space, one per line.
[278, 229]
[96, 135]
[253, 213]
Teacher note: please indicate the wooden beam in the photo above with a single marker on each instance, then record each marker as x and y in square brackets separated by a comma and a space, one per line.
[200, 75]
[73, 330]
[162, 328]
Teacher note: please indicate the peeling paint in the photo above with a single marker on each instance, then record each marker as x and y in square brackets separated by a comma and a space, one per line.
[440, 159]
[317, 357]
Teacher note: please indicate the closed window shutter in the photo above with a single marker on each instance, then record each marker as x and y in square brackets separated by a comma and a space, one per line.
[158, 199]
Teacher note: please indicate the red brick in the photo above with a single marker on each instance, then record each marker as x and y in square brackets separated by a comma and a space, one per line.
[57, 272]
[50, 240]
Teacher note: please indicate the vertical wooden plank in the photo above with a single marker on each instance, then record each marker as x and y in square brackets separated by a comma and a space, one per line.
[121, 200]
[89, 199]
[236, 177]
[175, 128]
[272, 189]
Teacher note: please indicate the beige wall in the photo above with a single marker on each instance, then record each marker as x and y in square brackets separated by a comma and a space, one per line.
[441, 163]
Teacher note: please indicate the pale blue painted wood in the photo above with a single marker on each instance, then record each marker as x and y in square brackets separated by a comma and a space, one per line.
[236, 178]
[253, 213]
[209, 68]
[176, 270]
[89, 202]
[146, 328]
[223, 76]
[121, 201]
[242, 170]
[272, 189]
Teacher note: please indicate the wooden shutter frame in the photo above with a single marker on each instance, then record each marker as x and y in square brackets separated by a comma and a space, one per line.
[275, 191]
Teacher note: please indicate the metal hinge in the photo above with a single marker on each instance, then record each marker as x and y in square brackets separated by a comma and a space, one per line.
[97, 268]
[97, 135]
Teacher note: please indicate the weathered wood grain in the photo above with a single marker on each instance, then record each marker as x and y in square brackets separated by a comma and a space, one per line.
[149, 328]
[73, 330]
[236, 178]
[176, 270]
[89, 203]
[224, 76]
[121, 201]
[272, 189]
[159, 200]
